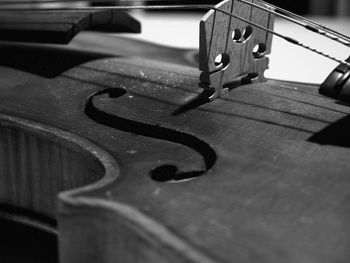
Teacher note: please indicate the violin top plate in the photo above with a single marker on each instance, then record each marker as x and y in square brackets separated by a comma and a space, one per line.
[269, 163]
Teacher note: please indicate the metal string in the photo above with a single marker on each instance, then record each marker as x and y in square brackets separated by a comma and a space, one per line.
[285, 14]
[281, 10]
[299, 20]
[184, 7]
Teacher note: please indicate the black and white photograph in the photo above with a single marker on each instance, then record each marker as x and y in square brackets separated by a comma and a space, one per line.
[174, 131]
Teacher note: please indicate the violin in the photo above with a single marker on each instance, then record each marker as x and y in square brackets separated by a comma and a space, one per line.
[132, 152]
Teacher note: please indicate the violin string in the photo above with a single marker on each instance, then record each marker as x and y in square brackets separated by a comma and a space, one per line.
[184, 7]
[292, 17]
[302, 21]
[309, 21]
[285, 14]
[308, 26]
[21, 2]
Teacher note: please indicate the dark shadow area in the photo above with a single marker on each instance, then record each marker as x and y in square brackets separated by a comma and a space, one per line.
[343, 103]
[24, 244]
[197, 101]
[204, 97]
[238, 82]
[169, 173]
[45, 61]
[337, 134]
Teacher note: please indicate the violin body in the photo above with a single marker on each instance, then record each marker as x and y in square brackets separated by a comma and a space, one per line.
[113, 145]
[145, 170]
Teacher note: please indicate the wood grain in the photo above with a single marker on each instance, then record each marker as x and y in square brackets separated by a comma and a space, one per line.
[276, 185]
[42, 161]
[278, 190]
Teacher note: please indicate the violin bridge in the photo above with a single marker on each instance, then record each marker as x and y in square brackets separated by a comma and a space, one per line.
[232, 51]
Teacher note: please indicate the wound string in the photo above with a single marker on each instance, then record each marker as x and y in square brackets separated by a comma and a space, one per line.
[305, 23]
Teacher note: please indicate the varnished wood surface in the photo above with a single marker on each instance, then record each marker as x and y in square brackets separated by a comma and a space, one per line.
[276, 191]
[60, 26]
